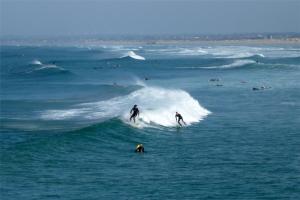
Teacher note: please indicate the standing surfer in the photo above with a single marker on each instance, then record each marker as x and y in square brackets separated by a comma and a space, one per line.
[134, 112]
[179, 117]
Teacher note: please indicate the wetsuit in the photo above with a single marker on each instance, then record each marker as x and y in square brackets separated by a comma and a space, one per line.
[179, 118]
[135, 111]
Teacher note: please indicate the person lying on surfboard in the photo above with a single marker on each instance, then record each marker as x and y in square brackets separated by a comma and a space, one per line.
[179, 117]
[134, 112]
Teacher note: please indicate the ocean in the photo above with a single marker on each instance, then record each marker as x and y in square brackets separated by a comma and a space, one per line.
[66, 134]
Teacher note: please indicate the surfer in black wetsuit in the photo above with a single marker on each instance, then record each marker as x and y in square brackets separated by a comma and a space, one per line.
[134, 112]
[179, 117]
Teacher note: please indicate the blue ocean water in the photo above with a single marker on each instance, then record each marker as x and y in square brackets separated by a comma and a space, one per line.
[65, 132]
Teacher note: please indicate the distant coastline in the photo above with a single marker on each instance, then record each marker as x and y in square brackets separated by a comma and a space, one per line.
[190, 42]
[94, 40]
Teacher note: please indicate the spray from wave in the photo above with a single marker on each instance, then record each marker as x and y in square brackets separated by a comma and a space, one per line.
[131, 54]
[157, 107]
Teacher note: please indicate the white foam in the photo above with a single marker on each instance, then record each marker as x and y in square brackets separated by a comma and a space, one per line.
[42, 66]
[261, 55]
[133, 55]
[36, 62]
[157, 107]
[235, 55]
[237, 63]
[235, 52]
[49, 67]
[62, 114]
[193, 51]
[219, 51]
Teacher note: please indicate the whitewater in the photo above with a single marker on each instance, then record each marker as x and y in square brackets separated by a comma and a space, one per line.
[132, 54]
[157, 107]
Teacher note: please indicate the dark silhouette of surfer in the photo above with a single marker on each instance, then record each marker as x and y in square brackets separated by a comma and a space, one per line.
[134, 112]
[179, 118]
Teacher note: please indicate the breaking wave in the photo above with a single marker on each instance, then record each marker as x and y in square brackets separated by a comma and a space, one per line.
[157, 107]
[131, 54]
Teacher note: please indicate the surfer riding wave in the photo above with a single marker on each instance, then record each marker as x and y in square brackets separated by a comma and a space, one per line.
[134, 112]
[159, 106]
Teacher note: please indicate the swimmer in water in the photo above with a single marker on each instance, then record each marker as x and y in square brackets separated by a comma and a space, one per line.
[179, 118]
[140, 148]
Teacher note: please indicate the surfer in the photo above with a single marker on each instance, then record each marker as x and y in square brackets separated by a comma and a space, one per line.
[179, 118]
[134, 112]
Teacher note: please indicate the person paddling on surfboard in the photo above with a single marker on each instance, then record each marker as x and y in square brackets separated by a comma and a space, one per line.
[179, 117]
[134, 112]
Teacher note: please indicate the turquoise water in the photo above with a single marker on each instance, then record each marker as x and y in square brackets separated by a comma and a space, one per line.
[65, 132]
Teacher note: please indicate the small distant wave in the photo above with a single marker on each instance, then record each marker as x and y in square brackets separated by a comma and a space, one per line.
[241, 55]
[133, 55]
[38, 66]
[36, 62]
[157, 107]
[50, 67]
[237, 63]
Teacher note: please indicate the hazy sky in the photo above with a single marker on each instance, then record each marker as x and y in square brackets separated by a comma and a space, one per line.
[69, 17]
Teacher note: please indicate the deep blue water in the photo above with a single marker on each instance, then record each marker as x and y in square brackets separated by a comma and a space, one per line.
[65, 132]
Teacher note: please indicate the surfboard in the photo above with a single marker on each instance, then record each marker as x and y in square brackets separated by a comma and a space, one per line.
[136, 124]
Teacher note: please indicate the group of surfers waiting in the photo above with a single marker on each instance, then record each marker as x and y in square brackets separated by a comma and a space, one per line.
[135, 112]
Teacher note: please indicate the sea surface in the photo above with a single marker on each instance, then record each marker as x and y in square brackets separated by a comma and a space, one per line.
[66, 134]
